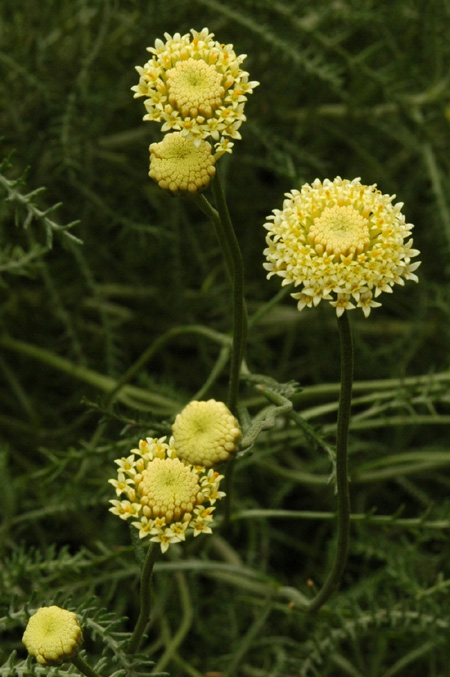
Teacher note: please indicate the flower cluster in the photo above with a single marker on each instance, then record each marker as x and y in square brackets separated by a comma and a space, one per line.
[196, 88]
[164, 495]
[195, 85]
[206, 433]
[53, 635]
[344, 242]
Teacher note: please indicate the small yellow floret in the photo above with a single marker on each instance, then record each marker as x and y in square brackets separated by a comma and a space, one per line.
[53, 635]
[179, 164]
[206, 433]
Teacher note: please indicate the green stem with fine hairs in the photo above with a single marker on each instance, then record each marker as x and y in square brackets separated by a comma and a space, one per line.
[204, 204]
[343, 497]
[233, 257]
[235, 268]
[234, 264]
[82, 666]
[145, 598]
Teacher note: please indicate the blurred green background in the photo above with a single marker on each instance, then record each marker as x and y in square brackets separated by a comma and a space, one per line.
[348, 88]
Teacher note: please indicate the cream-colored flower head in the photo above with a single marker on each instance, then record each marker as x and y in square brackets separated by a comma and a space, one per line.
[195, 85]
[179, 165]
[344, 242]
[53, 635]
[164, 495]
[206, 433]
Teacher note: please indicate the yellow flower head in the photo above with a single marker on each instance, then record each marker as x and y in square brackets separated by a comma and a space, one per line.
[206, 433]
[343, 242]
[165, 495]
[53, 635]
[195, 85]
[180, 165]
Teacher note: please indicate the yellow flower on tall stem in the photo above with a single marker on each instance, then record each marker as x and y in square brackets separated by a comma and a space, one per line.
[342, 242]
[345, 243]
[195, 85]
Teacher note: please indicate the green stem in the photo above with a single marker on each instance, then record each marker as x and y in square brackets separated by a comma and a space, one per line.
[132, 396]
[366, 518]
[83, 667]
[233, 257]
[174, 642]
[343, 497]
[203, 203]
[247, 640]
[146, 598]
[234, 263]
[156, 346]
[267, 307]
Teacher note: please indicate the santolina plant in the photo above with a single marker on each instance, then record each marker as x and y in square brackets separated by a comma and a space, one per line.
[345, 243]
[169, 493]
[337, 241]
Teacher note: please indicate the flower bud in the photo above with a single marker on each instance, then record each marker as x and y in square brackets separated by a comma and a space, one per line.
[53, 635]
[206, 433]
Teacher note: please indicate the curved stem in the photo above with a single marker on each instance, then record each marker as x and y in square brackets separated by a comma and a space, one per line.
[343, 497]
[83, 667]
[233, 256]
[146, 598]
[133, 396]
[174, 642]
[234, 263]
[156, 346]
[203, 203]
[213, 375]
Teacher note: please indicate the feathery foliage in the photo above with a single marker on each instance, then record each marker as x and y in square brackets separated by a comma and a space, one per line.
[116, 313]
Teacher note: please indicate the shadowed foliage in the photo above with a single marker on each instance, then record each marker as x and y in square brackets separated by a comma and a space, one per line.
[116, 312]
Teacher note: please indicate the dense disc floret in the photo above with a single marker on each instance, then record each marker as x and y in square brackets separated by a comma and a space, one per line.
[164, 495]
[195, 85]
[179, 165]
[53, 635]
[206, 433]
[343, 242]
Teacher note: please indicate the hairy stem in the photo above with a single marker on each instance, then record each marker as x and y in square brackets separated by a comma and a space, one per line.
[83, 667]
[145, 598]
[342, 488]
[240, 322]
[203, 203]
[235, 268]
[233, 257]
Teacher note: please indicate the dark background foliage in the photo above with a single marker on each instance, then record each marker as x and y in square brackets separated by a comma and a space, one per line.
[349, 88]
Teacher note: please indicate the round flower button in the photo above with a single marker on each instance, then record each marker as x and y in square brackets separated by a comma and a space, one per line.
[53, 635]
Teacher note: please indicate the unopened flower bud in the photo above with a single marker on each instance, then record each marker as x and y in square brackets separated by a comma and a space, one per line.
[206, 433]
[53, 635]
